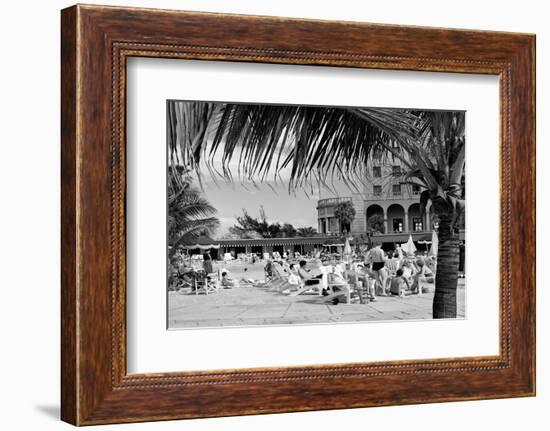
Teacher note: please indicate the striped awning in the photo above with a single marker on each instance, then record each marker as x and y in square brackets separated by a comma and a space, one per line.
[200, 246]
[273, 241]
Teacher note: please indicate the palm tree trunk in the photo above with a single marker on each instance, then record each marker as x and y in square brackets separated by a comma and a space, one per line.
[446, 279]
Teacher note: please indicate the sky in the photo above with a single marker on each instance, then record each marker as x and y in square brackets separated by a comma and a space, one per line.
[298, 209]
[230, 199]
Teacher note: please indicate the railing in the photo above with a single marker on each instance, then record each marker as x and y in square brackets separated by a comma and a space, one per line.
[332, 201]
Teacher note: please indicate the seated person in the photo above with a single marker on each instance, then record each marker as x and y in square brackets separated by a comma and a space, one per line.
[338, 280]
[408, 268]
[183, 275]
[431, 263]
[367, 279]
[309, 280]
[268, 269]
[399, 284]
[227, 282]
[293, 278]
[173, 276]
[421, 273]
[246, 280]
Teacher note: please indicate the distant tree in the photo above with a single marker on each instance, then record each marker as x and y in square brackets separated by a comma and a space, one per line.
[306, 231]
[275, 230]
[345, 213]
[288, 231]
[375, 223]
[252, 227]
[259, 227]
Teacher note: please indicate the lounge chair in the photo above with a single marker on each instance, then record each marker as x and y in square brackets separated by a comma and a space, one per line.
[322, 283]
[279, 280]
[338, 283]
[392, 265]
[210, 284]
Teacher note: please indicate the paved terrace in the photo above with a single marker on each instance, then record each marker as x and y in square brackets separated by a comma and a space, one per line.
[253, 306]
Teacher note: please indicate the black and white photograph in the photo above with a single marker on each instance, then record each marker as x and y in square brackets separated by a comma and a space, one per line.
[301, 215]
[275, 215]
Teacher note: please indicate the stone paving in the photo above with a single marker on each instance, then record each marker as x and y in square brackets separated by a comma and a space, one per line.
[253, 306]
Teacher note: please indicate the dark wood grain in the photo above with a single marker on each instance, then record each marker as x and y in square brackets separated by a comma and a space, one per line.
[96, 41]
[69, 399]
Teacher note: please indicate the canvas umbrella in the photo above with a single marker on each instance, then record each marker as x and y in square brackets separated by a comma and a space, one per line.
[203, 243]
[409, 246]
[347, 251]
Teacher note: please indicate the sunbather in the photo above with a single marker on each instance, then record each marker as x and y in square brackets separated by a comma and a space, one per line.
[268, 269]
[227, 282]
[293, 277]
[308, 279]
[248, 281]
[399, 284]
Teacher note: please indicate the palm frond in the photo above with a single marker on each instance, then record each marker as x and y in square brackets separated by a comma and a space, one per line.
[263, 140]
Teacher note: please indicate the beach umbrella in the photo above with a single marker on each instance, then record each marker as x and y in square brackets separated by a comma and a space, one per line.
[347, 247]
[347, 251]
[204, 242]
[435, 243]
[409, 246]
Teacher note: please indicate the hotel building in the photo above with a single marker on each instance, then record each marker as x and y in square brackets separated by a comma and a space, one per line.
[383, 193]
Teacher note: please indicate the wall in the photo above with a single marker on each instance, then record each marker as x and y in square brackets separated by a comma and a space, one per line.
[29, 219]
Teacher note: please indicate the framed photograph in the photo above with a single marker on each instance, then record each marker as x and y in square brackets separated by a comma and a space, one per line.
[266, 215]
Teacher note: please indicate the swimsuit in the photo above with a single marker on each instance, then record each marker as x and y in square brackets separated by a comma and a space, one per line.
[377, 266]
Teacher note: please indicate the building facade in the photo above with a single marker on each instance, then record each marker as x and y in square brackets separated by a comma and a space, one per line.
[384, 202]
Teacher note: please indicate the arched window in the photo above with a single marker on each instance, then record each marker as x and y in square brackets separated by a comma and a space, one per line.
[396, 218]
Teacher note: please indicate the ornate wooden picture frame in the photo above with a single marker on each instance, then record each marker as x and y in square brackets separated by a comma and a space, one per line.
[96, 41]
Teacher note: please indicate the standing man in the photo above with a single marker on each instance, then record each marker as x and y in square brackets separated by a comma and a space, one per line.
[377, 258]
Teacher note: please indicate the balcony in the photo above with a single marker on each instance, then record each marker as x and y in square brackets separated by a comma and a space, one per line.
[332, 201]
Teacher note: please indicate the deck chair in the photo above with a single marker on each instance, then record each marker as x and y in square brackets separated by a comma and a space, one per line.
[336, 289]
[318, 287]
[392, 265]
[292, 285]
[210, 284]
[339, 283]
[279, 280]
